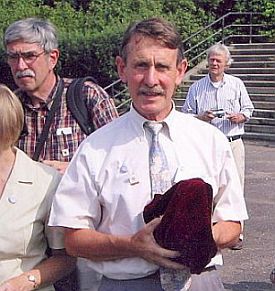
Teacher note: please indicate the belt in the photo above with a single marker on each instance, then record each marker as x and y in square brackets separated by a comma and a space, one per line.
[209, 269]
[156, 275]
[232, 138]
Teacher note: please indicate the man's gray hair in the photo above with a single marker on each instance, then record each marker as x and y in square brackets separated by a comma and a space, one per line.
[220, 48]
[32, 30]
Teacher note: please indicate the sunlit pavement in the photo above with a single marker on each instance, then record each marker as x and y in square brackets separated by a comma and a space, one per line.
[249, 268]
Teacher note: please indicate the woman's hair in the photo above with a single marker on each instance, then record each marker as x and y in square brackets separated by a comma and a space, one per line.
[11, 117]
[32, 30]
[158, 29]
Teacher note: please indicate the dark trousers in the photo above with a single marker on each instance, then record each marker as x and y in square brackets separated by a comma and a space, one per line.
[68, 283]
[208, 280]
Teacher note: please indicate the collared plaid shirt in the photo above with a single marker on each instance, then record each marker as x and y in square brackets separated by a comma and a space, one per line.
[60, 146]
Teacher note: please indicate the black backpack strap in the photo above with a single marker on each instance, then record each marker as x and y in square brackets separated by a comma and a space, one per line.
[44, 134]
[76, 104]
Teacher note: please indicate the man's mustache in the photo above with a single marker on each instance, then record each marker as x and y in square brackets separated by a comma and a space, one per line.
[153, 91]
[25, 73]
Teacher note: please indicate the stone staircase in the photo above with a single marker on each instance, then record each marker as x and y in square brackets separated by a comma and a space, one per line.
[255, 65]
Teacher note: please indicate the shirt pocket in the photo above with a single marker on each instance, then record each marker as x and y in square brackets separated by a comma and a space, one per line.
[232, 104]
[126, 190]
[186, 173]
[65, 144]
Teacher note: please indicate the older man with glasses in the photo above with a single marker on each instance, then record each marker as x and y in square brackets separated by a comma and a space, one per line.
[32, 53]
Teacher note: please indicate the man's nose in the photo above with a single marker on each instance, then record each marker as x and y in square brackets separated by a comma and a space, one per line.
[21, 64]
[151, 77]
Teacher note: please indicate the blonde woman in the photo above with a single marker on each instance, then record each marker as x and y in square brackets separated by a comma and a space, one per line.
[26, 192]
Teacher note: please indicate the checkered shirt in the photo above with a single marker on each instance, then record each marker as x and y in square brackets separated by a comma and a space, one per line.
[58, 146]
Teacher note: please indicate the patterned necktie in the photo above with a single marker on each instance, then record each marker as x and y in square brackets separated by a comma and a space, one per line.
[171, 280]
[158, 165]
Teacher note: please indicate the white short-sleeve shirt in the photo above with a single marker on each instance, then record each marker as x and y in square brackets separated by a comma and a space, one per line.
[107, 184]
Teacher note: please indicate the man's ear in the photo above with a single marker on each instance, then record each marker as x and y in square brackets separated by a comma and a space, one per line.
[53, 59]
[121, 66]
[181, 68]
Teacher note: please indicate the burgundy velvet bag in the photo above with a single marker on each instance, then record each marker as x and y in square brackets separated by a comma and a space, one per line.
[186, 223]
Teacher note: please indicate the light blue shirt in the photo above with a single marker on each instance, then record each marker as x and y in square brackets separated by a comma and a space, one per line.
[230, 95]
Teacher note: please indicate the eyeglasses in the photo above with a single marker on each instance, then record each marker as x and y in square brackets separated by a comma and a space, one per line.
[28, 57]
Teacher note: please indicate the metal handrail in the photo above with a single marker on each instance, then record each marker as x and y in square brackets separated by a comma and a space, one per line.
[203, 29]
[224, 32]
[222, 29]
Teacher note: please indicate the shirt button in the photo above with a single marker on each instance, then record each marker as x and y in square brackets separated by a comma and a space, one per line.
[12, 199]
[123, 169]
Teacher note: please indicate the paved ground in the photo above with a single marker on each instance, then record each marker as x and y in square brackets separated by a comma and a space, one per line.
[249, 269]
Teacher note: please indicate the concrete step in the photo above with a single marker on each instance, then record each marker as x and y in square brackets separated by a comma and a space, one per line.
[178, 106]
[179, 103]
[239, 70]
[262, 121]
[263, 113]
[258, 77]
[253, 51]
[256, 128]
[254, 58]
[262, 97]
[259, 136]
[259, 89]
[267, 45]
[248, 83]
[254, 64]
[244, 77]
[264, 105]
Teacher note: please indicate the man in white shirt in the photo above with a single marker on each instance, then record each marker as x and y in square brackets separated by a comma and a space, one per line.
[223, 101]
[102, 195]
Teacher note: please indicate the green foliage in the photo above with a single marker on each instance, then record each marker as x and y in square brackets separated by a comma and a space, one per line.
[90, 31]
[90, 37]
[270, 13]
[267, 7]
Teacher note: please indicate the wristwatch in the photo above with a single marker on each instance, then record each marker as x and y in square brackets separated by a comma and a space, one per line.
[32, 278]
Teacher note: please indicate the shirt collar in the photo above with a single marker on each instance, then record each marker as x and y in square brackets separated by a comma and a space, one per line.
[223, 81]
[138, 122]
[26, 99]
[19, 173]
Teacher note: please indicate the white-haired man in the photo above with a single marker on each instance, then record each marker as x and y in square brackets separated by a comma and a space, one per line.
[222, 100]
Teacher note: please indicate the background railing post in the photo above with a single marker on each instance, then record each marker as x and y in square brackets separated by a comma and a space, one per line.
[250, 27]
[223, 29]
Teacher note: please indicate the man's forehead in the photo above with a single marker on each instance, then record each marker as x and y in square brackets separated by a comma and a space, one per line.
[20, 44]
[140, 44]
[217, 55]
[140, 40]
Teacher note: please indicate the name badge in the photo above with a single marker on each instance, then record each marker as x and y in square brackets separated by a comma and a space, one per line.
[133, 180]
[65, 152]
[64, 130]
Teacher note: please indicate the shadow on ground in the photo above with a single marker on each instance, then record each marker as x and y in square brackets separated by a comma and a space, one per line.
[244, 286]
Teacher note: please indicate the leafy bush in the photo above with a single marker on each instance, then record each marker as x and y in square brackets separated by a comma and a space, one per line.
[89, 40]
[90, 31]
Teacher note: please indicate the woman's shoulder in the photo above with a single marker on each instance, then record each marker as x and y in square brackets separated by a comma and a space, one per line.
[33, 168]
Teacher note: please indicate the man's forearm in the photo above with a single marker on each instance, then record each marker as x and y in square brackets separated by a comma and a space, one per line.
[226, 233]
[45, 273]
[97, 246]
